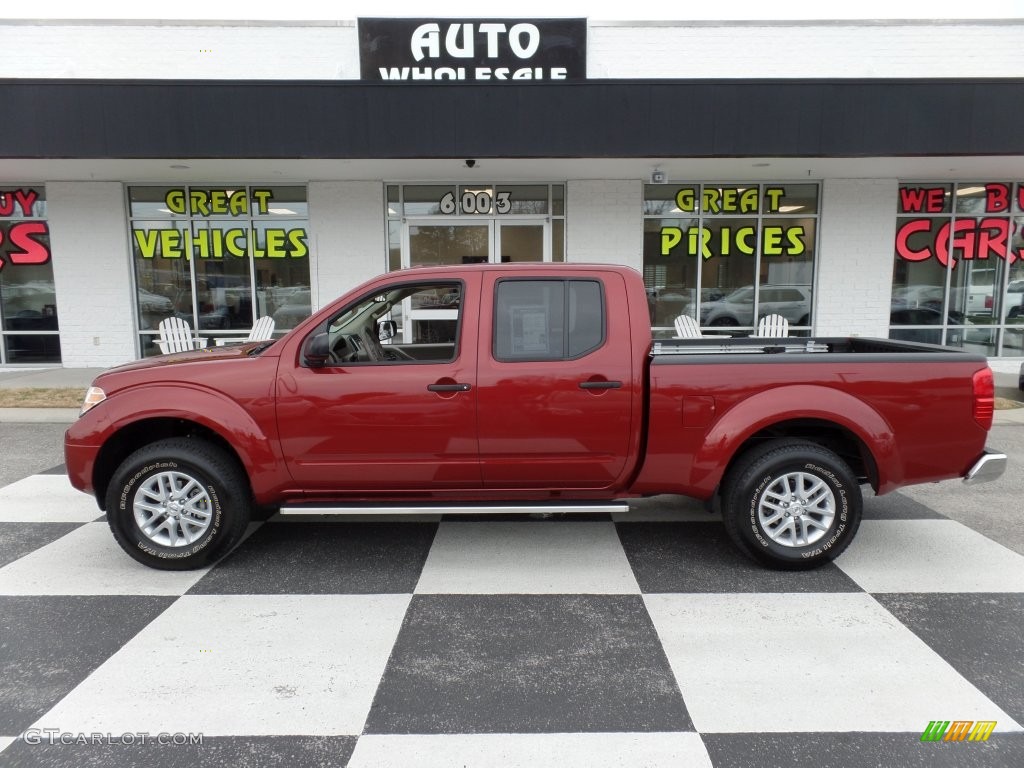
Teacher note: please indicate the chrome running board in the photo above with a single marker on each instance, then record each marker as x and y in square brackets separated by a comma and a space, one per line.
[461, 509]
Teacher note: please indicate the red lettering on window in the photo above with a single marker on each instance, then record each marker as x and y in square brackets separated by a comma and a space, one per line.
[903, 235]
[997, 198]
[23, 198]
[26, 199]
[31, 250]
[992, 237]
[964, 239]
[922, 200]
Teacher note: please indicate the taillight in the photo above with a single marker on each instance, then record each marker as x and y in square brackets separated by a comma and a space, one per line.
[984, 398]
[988, 302]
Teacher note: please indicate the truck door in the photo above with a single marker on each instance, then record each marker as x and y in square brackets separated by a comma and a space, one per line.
[394, 409]
[555, 381]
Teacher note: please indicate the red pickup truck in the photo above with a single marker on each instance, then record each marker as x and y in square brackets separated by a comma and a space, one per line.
[526, 388]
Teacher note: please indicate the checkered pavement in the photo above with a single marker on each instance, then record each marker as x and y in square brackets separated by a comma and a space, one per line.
[640, 639]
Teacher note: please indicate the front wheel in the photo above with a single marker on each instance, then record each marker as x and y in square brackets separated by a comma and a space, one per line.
[791, 505]
[178, 504]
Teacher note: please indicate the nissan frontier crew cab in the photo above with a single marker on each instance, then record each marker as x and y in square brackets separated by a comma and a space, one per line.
[524, 388]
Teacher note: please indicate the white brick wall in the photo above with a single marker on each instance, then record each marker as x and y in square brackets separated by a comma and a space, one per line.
[823, 49]
[349, 231]
[329, 50]
[231, 51]
[604, 222]
[855, 256]
[92, 273]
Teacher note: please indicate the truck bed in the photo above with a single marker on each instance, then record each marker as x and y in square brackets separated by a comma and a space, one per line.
[913, 403]
[835, 349]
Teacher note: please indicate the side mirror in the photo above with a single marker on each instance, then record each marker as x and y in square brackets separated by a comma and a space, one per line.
[316, 350]
[386, 329]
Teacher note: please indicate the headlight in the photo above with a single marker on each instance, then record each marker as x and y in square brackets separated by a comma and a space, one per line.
[94, 396]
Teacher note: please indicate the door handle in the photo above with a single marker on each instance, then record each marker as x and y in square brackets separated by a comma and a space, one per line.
[448, 387]
[600, 384]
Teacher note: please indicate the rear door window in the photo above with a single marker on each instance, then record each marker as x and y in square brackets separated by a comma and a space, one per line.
[547, 319]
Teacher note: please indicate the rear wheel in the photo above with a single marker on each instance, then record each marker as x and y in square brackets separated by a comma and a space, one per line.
[791, 504]
[178, 504]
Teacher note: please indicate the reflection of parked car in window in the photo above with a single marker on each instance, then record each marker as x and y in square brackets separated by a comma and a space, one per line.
[673, 300]
[793, 302]
[1015, 299]
[979, 290]
[912, 296]
[924, 316]
[154, 303]
[298, 308]
[34, 295]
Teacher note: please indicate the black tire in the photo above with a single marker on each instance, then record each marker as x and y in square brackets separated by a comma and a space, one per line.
[724, 322]
[756, 481]
[218, 497]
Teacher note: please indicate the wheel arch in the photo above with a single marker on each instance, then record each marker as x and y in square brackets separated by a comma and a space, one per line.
[828, 434]
[135, 417]
[829, 417]
[138, 434]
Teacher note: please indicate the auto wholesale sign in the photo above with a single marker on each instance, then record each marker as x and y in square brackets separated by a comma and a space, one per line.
[472, 50]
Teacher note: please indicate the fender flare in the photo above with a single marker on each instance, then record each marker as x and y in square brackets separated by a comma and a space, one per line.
[786, 403]
[209, 408]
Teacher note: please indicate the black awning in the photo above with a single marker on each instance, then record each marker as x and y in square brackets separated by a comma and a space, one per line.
[596, 118]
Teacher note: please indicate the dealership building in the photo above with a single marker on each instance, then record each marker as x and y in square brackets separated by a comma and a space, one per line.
[856, 177]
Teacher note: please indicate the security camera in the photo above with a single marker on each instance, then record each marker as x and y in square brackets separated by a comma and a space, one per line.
[658, 177]
[470, 163]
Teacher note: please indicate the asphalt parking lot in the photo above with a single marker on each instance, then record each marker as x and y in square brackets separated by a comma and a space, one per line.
[642, 640]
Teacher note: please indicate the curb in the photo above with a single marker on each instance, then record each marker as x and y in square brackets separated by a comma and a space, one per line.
[1008, 417]
[38, 415]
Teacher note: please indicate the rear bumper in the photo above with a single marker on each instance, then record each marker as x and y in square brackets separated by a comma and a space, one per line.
[990, 466]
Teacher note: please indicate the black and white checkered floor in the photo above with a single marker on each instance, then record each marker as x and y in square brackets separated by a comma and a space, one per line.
[639, 641]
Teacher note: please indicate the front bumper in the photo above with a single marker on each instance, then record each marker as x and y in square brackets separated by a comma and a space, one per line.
[990, 466]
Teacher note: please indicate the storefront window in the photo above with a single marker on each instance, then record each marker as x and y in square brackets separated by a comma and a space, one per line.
[728, 255]
[220, 257]
[28, 299]
[958, 272]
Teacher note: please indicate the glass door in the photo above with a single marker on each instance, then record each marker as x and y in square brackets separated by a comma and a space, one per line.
[429, 243]
[432, 244]
[518, 241]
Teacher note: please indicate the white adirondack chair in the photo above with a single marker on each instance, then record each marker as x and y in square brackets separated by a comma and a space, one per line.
[263, 330]
[772, 327]
[176, 336]
[687, 328]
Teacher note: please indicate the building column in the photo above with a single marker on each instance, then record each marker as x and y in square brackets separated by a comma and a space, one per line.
[855, 255]
[349, 231]
[604, 222]
[92, 273]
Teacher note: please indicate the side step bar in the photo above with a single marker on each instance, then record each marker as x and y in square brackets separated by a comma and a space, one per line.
[460, 509]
